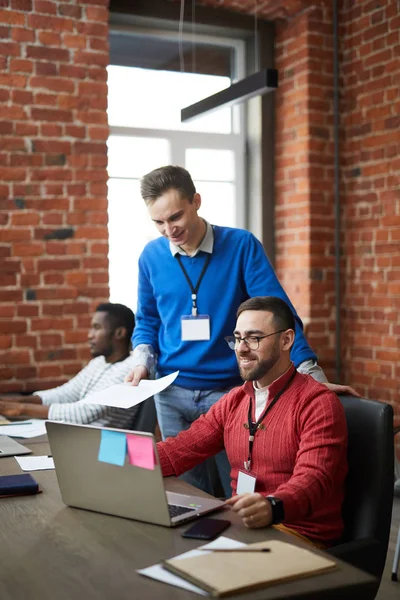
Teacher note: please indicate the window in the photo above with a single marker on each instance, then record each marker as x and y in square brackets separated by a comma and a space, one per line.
[146, 93]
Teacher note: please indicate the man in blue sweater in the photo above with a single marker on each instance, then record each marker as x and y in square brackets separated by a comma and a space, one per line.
[191, 282]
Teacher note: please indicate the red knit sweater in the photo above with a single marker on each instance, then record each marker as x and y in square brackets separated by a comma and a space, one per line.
[299, 457]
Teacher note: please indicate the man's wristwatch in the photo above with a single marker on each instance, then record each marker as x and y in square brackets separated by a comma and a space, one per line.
[278, 511]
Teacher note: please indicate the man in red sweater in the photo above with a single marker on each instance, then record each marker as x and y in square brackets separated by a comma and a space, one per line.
[284, 433]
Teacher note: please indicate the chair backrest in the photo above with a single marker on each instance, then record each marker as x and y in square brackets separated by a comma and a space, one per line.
[367, 507]
[146, 417]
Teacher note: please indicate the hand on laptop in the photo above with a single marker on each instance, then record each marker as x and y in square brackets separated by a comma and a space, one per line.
[254, 510]
[136, 375]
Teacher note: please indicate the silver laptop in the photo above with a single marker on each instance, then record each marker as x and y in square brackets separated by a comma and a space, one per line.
[129, 491]
[9, 447]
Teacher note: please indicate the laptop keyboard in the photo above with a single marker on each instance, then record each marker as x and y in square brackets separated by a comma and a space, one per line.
[175, 511]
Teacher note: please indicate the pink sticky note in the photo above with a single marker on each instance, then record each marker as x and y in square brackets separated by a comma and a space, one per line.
[140, 451]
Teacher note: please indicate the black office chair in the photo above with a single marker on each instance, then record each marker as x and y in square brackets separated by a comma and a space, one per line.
[396, 558]
[146, 417]
[368, 502]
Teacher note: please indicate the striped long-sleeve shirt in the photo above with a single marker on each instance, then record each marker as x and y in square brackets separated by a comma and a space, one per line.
[65, 402]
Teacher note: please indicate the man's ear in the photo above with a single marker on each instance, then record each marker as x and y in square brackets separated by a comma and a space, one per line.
[197, 201]
[120, 333]
[287, 339]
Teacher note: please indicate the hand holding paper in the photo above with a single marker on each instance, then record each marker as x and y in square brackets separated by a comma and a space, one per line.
[124, 395]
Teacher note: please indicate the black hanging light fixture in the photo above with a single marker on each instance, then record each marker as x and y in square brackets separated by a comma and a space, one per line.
[257, 84]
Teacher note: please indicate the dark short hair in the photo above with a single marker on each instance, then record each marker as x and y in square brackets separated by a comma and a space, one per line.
[118, 315]
[161, 180]
[283, 315]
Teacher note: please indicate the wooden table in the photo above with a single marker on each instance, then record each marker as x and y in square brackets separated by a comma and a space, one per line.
[49, 551]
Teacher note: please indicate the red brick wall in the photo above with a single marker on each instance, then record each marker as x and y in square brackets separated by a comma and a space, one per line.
[53, 207]
[305, 174]
[371, 189]
[369, 66]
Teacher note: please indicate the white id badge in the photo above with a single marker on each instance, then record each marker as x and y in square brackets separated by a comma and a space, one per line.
[195, 328]
[246, 483]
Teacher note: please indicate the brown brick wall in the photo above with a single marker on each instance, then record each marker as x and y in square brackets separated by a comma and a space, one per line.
[53, 239]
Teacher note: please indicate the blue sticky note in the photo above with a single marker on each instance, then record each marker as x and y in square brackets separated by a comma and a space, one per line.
[112, 448]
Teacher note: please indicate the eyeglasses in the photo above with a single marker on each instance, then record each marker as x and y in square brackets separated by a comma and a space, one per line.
[251, 341]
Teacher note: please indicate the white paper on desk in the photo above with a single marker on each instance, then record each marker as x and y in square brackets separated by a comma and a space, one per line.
[35, 463]
[124, 395]
[24, 429]
[157, 571]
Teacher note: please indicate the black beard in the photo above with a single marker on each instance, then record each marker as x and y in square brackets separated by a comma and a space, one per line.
[261, 369]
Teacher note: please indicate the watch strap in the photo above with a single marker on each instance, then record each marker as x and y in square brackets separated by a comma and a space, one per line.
[278, 511]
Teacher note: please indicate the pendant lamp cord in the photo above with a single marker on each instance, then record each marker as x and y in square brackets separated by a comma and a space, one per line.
[193, 36]
[180, 40]
[256, 46]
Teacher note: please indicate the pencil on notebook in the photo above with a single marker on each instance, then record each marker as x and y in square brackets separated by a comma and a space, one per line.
[236, 549]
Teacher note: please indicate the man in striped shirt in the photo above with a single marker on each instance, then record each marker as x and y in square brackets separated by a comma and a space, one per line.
[109, 341]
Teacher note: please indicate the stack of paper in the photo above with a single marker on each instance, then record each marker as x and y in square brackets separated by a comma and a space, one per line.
[35, 463]
[161, 574]
[125, 395]
[24, 429]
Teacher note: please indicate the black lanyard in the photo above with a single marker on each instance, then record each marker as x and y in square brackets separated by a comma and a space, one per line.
[253, 427]
[193, 289]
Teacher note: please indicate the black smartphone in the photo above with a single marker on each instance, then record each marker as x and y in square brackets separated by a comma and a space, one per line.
[206, 529]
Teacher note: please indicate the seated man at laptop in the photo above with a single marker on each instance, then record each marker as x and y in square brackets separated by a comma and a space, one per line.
[284, 433]
[109, 341]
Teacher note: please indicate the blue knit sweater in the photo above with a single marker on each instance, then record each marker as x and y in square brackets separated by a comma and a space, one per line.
[239, 269]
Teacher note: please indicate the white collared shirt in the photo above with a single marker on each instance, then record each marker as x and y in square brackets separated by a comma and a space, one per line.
[262, 397]
[207, 244]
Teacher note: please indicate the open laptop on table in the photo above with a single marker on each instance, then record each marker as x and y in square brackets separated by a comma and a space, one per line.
[9, 447]
[129, 491]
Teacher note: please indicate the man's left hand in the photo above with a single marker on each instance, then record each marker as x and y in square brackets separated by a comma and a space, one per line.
[18, 409]
[254, 510]
[11, 409]
[342, 389]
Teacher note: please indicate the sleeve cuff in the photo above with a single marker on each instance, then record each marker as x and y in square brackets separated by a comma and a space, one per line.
[311, 367]
[144, 355]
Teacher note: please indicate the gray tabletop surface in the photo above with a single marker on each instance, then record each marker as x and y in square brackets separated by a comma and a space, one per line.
[49, 551]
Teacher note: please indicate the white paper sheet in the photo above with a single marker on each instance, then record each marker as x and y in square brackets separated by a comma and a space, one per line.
[24, 429]
[157, 571]
[35, 463]
[124, 395]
